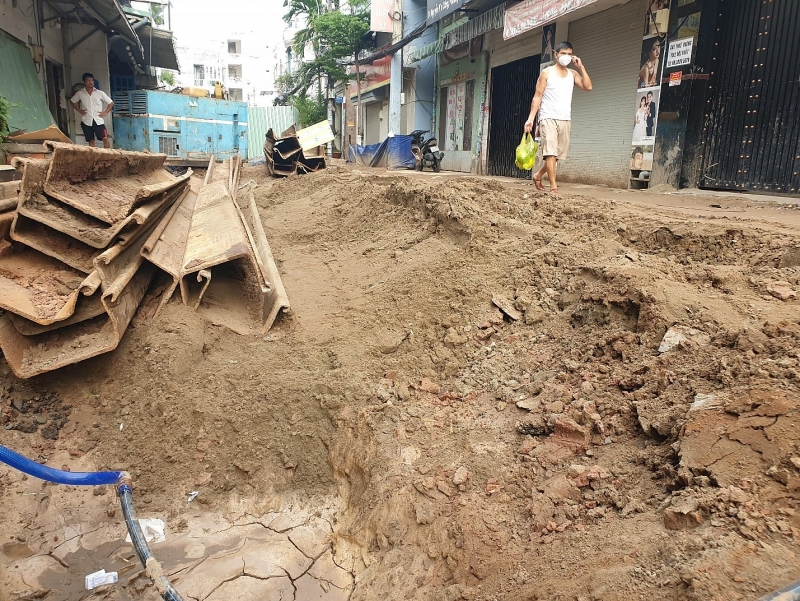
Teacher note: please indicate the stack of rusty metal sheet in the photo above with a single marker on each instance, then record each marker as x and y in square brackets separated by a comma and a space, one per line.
[71, 269]
[214, 247]
[285, 155]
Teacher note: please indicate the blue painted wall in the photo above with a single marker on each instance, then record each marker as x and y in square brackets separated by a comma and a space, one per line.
[413, 14]
[182, 126]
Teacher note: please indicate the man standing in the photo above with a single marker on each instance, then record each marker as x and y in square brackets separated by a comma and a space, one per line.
[89, 103]
[652, 111]
[553, 102]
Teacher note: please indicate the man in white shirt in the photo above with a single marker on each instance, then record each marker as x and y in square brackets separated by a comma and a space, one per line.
[93, 105]
[554, 98]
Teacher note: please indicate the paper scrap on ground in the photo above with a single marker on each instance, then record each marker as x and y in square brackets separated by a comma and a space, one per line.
[153, 530]
[100, 578]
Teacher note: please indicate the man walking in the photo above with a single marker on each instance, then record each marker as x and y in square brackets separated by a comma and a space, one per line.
[89, 103]
[553, 102]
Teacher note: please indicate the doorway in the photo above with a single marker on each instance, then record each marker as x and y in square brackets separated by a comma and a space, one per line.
[56, 95]
[455, 128]
[513, 86]
[751, 135]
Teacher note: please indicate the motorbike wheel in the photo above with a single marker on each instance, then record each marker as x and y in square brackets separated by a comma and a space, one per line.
[437, 165]
[420, 165]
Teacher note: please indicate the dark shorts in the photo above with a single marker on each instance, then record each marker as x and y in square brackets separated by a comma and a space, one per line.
[94, 131]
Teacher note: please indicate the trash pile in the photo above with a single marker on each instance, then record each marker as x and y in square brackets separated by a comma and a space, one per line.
[93, 229]
[285, 155]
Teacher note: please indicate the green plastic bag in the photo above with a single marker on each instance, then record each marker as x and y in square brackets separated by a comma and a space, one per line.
[526, 152]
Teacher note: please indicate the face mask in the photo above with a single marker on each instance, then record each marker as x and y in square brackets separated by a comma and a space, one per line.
[564, 60]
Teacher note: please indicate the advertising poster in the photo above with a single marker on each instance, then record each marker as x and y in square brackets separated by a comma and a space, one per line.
[461, 95]
[642, 157]
[656, 18]
[452, 110]
[646, 116]
[548, 45]
[651, 62]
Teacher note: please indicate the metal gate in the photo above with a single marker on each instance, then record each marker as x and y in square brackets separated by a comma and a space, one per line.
[752, 123]
[513, 86]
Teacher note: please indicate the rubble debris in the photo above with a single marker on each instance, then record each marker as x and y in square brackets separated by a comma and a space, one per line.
[678, 335]
[285, 155]
[782, 290]
[507, 307]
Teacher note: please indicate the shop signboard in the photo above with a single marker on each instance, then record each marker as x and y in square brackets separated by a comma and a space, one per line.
[438, 9]
[381, 16]
[530, 14]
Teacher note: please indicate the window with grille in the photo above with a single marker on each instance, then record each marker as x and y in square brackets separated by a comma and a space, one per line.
[235, 71]
[234, 46]
[168, 146]
[235, 94]
[199, 72]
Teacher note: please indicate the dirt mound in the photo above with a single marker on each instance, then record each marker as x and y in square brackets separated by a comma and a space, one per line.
[554, 449]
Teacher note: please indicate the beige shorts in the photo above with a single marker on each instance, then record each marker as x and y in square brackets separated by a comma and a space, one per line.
[555, 137]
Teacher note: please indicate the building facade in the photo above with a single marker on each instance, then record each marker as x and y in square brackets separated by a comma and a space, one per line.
[686, 92]
[47, 46]
[242, 61]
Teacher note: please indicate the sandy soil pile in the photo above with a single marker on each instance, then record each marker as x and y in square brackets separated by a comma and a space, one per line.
[546, 451]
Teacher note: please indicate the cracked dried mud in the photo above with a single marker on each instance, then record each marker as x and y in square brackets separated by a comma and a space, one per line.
[398, 436]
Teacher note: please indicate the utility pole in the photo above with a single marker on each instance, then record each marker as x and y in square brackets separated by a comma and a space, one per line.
[396, 78]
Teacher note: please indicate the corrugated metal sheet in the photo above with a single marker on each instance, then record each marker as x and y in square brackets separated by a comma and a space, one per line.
[261, 119]
[602, 120]
[21, 87]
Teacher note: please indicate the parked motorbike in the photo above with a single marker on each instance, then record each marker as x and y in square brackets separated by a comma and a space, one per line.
[426, 152]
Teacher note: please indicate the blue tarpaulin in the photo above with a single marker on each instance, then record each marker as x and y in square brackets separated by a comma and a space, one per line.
[392, 153]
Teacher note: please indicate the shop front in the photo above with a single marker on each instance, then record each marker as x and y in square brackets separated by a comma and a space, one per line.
[462, 75]
[607, 36]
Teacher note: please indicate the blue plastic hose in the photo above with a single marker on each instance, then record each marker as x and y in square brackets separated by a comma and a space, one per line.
[37, 470]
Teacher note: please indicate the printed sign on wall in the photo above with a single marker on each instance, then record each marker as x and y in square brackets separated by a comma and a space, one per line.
[680, 53]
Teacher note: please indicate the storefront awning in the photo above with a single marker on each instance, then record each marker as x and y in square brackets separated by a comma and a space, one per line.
[109, 13]
[418, 54]
[159, 48]
[106, 14]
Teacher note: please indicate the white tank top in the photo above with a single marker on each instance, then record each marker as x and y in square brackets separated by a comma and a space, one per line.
[557, 97]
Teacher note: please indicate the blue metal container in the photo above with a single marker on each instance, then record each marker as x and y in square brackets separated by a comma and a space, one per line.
[185, 128]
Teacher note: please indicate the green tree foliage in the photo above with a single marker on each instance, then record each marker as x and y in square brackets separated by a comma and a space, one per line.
[157, 13]
[311, 110]
[333, 36]
[5, 105]
[168, 77]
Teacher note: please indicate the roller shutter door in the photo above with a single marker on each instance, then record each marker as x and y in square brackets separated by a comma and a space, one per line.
[372, 131]
[602, 120]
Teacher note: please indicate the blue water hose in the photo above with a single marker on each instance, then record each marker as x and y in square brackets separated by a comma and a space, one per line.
[121, 480]
[37, 470]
